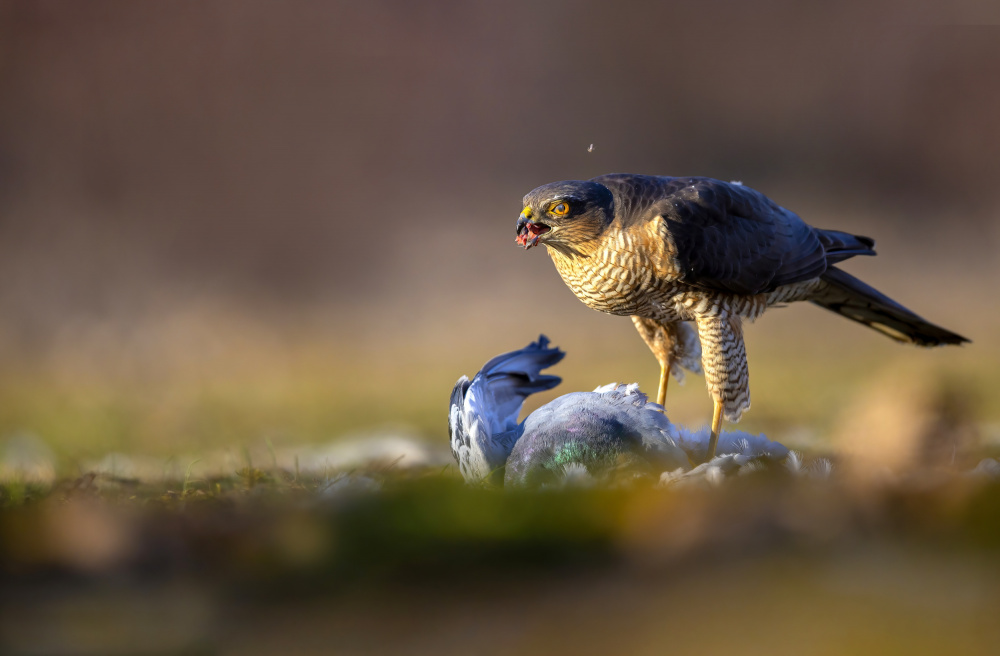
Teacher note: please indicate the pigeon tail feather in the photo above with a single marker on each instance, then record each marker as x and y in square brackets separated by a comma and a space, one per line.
[483, 412]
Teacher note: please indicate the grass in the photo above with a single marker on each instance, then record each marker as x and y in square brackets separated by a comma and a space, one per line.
[266, 561]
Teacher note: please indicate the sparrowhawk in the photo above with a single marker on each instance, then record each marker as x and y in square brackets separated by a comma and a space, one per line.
[666, 251]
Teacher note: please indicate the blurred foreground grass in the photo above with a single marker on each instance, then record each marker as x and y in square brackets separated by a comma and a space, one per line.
[411, 562]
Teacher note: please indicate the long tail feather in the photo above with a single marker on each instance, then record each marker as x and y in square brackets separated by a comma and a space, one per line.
[851, 298]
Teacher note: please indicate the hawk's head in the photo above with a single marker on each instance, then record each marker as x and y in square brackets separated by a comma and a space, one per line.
[563, 214]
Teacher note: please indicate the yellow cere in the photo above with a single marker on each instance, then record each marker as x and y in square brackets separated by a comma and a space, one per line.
[526, 212]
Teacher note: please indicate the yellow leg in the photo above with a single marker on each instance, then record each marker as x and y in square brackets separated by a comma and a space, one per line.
[661, 394]
[713, 441]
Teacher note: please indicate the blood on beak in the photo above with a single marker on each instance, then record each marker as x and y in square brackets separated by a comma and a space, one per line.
[529, 232]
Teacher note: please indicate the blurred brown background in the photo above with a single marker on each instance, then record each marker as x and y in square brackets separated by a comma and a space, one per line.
[225, 221]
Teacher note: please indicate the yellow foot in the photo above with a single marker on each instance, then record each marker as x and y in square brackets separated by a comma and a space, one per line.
[661, 394]
[713, 441]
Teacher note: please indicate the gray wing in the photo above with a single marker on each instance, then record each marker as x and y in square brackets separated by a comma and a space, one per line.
[498, 391]
[730, 238]
[724, 236]
[482, 414]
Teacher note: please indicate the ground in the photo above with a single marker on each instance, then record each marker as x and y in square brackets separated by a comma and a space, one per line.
[388, 560]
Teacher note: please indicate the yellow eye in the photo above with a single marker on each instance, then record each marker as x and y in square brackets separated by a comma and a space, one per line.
[559, 209]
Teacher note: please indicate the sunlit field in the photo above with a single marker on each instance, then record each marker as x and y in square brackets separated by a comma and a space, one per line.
[275, 495]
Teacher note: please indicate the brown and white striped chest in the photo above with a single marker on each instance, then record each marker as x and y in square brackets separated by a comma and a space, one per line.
[617, 275]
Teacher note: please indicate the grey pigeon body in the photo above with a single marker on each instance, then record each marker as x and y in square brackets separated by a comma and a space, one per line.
[612, 433]
[695, 443]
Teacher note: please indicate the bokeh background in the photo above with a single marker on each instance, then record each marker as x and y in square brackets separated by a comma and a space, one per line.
[225, 224]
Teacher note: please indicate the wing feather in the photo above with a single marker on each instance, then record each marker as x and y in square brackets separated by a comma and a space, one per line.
[731, 238]
[721, 236]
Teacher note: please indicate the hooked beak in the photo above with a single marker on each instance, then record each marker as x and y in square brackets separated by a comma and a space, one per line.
[528, 231]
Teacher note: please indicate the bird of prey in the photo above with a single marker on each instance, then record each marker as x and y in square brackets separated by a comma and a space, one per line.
[666, 251]
[608, 434]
